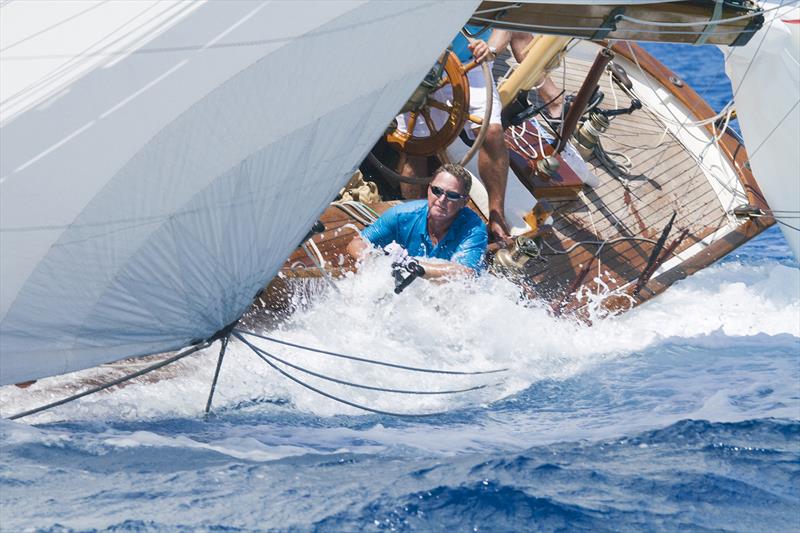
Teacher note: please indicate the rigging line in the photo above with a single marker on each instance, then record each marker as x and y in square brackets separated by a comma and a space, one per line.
[365, 210]
[233, 44]
[53, 26]
[357, 214]
[223, 348]
[353, 213]
[682, 127]
[539, 27]
[779, 221]
[780, 122]
[515, 5]
[686, 122]
[622, 221]
[600, 243]
[369, 209]
[331, 396]
[594, 229]
[656, 114]
[373, 361]
[360, 385]
[77, 61]
[319, 263]
[713, 200]
[117, 381]
[765, 32]
[237, 201]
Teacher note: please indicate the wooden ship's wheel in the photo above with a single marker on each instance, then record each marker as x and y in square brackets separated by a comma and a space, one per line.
[446, 90]
[658, 210]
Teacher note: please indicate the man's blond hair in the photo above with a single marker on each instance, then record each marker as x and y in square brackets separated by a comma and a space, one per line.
[459, 172]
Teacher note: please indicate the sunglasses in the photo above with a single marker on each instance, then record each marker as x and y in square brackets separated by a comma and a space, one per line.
[450, 195]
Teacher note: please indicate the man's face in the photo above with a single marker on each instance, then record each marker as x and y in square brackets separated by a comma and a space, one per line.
[442, 208]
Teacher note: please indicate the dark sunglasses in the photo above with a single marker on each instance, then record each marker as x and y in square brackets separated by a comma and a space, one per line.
[450, 195]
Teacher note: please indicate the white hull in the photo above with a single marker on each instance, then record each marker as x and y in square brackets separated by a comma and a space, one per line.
[155, 179]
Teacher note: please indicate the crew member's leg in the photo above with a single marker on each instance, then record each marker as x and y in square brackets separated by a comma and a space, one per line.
[548, 91]
[414, 166]
[493, 155]
[493, 168]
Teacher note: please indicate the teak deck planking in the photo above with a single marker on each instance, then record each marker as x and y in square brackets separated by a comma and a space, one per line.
[663, 179]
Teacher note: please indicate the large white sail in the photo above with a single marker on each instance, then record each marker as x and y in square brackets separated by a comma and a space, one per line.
[766, 85]
[161, 159]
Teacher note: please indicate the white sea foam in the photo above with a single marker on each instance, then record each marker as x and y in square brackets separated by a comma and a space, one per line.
[467, 325]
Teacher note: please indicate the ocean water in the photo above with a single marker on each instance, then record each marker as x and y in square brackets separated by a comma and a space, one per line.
[683, 414]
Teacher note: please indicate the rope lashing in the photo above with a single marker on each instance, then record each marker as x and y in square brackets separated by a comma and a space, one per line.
[360, 385]
[327, 394]
[372, 361]
[115, 382]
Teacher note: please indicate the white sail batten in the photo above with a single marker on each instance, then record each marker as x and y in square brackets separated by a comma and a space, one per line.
[765, 75]
[154, 179]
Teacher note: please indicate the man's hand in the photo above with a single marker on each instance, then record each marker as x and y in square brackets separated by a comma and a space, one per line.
[481, 51]
[396, 253]
[498, 230]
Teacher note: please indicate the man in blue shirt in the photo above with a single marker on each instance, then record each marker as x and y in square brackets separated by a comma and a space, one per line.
[440, 227]
[482, 46]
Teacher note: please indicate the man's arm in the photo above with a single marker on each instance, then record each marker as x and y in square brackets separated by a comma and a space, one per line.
[498, 41]
[357, 248]
[445, 269]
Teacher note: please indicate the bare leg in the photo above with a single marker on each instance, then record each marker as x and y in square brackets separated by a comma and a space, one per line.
[413, 166]
[519, 41]
[549, 92]
[493, 168]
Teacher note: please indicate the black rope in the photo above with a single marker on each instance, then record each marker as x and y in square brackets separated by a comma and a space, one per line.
[360, 385]
[222, 350]
[331, 396]
[373, 361]
[651, 261]
[779, 221]
[110, 384]
[395, 176]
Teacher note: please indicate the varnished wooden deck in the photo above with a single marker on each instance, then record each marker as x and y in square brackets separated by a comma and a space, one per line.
[607, 234]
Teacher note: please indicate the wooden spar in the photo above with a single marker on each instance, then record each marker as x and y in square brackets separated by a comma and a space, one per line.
[578, 105]
[734, 26]
[540, 54]
[573, 287]
[733, 151]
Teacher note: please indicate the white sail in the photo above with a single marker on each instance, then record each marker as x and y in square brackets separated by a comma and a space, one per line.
[161, 159]
[766, 85]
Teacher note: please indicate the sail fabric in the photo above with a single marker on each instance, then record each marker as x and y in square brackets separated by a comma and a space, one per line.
[765, 75]
[161, 181]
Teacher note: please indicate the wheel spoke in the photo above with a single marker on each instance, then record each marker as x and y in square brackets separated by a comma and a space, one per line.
[426, 114]
[442, 155]
[436, 104]
[411, 122]
[476, 119]
[471, 65]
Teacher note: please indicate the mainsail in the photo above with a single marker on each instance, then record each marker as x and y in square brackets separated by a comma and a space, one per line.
[161, 159]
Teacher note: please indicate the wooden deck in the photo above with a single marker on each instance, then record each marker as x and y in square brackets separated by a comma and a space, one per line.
[602, 240]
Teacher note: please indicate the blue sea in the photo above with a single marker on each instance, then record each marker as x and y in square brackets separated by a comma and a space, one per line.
[682, 415]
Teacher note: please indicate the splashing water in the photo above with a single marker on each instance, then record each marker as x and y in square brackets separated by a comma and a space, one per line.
[682, 414]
